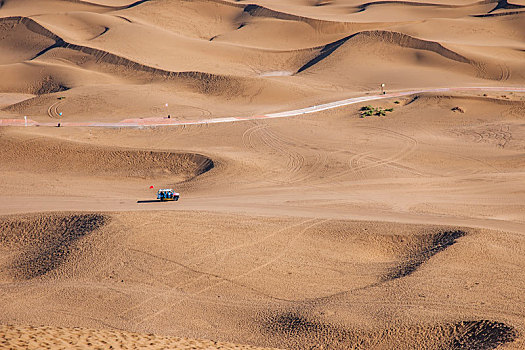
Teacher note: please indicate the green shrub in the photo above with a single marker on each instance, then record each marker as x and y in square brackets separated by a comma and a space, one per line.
[368, 111]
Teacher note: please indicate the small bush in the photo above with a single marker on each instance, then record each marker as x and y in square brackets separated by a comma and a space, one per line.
[368, 111]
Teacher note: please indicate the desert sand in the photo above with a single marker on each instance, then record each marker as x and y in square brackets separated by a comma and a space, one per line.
[327, 230]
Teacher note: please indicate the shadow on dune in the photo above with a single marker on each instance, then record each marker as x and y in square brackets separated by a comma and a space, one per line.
[109, 7]
[151, 201]
[296, 331]
[38, 244]
[430, 246]
[504, 4]
[396, 38]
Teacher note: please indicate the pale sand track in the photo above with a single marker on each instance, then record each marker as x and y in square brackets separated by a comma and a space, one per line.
[296, 112]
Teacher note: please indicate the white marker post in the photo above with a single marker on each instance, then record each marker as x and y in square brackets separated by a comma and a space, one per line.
[25, 120]
[167, 111]
[382, 89]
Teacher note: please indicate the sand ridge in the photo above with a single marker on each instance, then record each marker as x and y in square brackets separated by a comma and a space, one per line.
[49, 156]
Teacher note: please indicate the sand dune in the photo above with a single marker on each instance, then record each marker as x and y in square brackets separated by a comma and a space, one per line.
[391, 38]
[85, 51]
[58, 157]
[329, 230]
[107, 256]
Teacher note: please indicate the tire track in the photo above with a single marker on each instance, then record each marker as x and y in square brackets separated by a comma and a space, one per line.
[239, 276]
[286, 114]
[410, 146]
[295, 160]
[310, 166]
[497, 134]
[197, 260]
[249, 138]
[52, 111]
[359, 163]
[505, 72]
[302, 160]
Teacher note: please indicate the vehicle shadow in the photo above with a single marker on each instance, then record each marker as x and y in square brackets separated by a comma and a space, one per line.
[151, 201]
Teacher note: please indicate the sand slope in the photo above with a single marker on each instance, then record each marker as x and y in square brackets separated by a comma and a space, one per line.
[132, 275]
